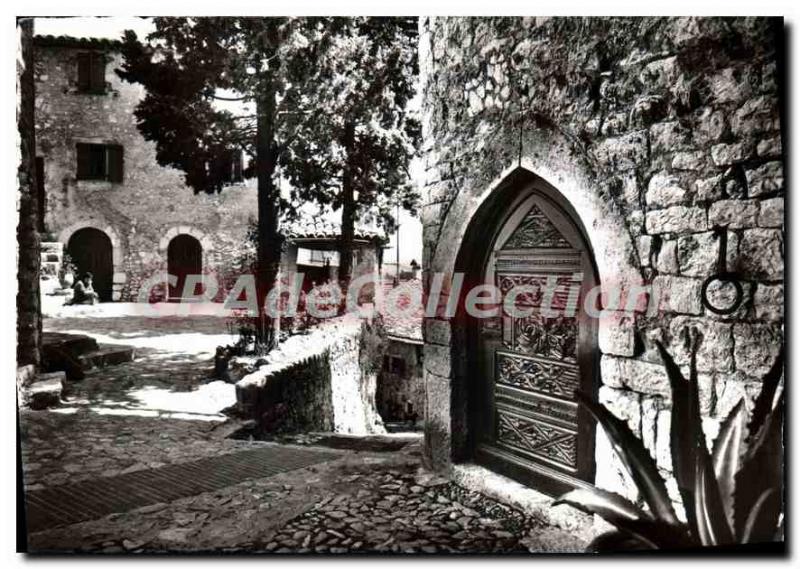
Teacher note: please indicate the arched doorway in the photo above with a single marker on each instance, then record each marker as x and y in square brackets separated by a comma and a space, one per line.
[524, 367]
[184, 257]
[91, 251]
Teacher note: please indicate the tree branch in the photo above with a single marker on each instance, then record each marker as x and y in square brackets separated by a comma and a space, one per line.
[232, 99]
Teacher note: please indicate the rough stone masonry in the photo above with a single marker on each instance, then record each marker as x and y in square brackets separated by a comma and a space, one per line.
[664, 135]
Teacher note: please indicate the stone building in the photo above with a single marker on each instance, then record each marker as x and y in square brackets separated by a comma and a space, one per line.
[400, 392]
[631, 152]
[121, 215]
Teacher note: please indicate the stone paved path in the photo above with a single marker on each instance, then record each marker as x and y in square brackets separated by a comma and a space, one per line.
[160, 409]
[92, 499]
[358, 503]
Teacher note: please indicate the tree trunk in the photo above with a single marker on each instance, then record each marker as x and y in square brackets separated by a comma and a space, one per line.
[269, 238]
[347, 235]
[29, 318]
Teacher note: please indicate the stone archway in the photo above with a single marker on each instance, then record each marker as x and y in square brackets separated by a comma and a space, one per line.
[462, 227]
[96, 249]
[186, 251]
[184, 258]
[91, 252]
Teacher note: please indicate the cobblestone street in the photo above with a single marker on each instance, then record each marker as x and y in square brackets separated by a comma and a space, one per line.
[163, 409]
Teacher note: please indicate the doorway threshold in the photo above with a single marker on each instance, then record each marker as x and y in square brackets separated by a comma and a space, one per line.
[526, 499]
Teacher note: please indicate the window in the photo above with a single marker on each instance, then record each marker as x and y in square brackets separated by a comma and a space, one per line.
[100, 162]
[91, 72]
[395, 365]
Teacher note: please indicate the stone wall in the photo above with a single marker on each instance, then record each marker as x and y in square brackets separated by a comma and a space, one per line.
[663, 135]
[314, 382]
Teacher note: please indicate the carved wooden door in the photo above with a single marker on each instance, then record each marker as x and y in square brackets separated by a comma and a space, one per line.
[538, 352]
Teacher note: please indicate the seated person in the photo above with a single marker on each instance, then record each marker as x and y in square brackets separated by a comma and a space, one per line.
[83, 293]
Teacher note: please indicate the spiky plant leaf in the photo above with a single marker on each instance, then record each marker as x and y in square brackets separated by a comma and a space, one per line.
[761, 516]
[712, 520]
[727, 455]
[617, 541]
[628, 518]
[765, 400]
[636, 459]
[685, 430]
[762, 469]
[607, 505]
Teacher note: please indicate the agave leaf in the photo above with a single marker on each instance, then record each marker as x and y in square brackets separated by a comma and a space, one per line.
[608, 505]
[712, 520]
[764, 401]
[684, 426]
[616, 541]
[637, 460]
[727, 455]
[764, 514]
[762, 469]
[628, 518]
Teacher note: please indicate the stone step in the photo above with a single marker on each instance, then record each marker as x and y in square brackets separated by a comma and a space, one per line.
[46, 391]
[52, 247]
[50, 257]
[74, 344]
[25, 376]
[107, 355]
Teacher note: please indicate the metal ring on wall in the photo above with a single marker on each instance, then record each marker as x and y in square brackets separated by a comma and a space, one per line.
[724, 278]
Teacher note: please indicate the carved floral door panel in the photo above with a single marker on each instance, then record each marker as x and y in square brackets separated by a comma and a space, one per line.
[532, 357]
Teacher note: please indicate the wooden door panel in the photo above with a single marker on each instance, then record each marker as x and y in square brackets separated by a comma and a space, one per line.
[534, 357]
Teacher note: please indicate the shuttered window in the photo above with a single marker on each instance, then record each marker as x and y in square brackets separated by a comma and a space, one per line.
[115, 163]
[91, 72]
[100, 162]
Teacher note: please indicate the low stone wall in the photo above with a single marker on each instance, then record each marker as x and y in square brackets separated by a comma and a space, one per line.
[314, 382]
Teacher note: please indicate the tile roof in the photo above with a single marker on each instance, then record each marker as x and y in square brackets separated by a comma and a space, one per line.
[75, 42]
[317, 227]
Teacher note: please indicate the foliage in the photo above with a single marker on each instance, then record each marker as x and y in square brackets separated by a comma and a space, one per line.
[365, 75]
[193, 68]
[731, 495]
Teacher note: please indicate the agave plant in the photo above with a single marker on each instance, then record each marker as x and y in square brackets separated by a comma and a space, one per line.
[731, 495]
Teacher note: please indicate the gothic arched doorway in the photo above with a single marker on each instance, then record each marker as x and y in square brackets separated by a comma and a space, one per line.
[91, 251]
[525, 366]
[184, 257]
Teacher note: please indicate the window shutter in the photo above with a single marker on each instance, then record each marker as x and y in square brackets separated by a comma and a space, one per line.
[84, 74]
[115, 164]
[83, 162]
[98, 73]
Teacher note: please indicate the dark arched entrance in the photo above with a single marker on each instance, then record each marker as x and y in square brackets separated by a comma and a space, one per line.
[91, 251]
[523, 368]
[184, 257]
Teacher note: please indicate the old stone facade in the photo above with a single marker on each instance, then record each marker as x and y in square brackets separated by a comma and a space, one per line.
[137, 215]
[663, 139]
